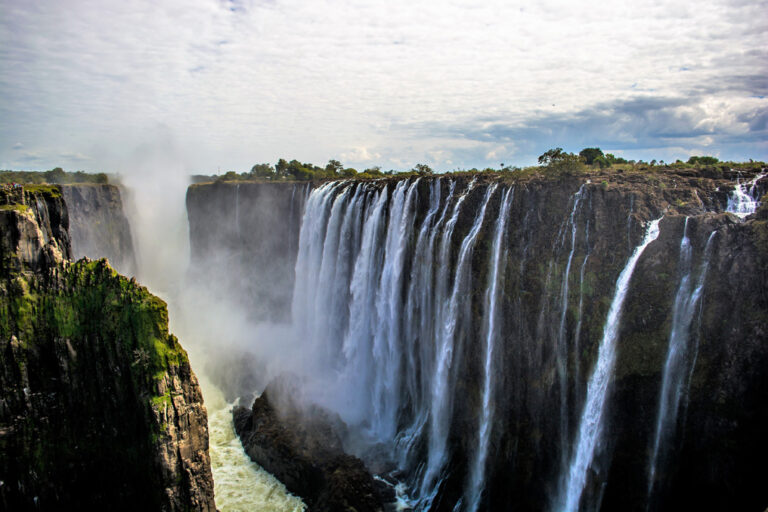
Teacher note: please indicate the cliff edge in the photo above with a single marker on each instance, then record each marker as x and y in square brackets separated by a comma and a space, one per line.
[99, 407]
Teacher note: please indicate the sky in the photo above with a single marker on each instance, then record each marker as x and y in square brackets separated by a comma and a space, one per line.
[218, 85]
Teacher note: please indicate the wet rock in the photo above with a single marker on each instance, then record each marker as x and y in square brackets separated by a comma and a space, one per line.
[302, 447]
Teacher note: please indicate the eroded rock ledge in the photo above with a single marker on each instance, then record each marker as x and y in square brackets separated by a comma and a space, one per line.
[302, 447]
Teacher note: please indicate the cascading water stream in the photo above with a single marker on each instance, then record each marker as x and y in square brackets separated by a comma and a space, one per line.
[448, 317]
[677, 360]
[562, 342]
[744, 199]
[591, 422]
[419, 312]
[491, 331]
[387, 334]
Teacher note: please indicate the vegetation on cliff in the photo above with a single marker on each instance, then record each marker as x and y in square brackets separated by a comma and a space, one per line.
[54, 176]
[98, 405]
[553, 162]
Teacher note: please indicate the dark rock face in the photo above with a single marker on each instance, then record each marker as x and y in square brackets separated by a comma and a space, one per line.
[98, 227]
[99, 409]
[303, 449]
[715, 455]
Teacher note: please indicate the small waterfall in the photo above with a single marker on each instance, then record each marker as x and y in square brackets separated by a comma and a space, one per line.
[590, 425]
[577, 332]
[744, 199]
[562, 342]
[450, 312]
[491, 332]
[677, 361]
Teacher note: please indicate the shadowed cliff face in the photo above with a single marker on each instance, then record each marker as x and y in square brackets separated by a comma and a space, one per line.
[98, 227]
[99, 408]
[468, 347]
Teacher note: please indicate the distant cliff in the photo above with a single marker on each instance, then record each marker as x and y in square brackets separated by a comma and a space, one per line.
[98, 227]
[532, 341]
[235, 232]
[99, 408]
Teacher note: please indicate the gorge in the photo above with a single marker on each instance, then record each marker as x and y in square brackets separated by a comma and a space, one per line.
[509, 341]
[477, 341]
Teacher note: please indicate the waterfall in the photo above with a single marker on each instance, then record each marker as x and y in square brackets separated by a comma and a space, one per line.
[577, 332]
[675, 368]
[591, 422]
[562, 343]
[491, 332]
[744, 200]
[387, 334]
[450, 312]
[419, 324]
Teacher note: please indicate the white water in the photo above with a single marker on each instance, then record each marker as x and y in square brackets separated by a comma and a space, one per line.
[677, 360]
[395, 313]
[562, 347]
[450, 314]
[743, 200]
[490, 329]
[239, 483]
[591, 422]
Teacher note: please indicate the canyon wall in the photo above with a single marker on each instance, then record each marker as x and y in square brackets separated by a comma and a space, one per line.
[99, 408]
[590, 342]
[98, 227]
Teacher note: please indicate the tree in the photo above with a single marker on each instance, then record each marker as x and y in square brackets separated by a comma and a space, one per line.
[551, 155]
[702, 160]
[601, 162]
[422, 169]
[281, 167]
[560, 162]
[56, 175]
[590, 154]
[334, 167]
[263, 171]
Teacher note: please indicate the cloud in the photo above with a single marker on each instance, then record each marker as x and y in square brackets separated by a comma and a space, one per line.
[243, 81]
[360, 154]
[18, 146]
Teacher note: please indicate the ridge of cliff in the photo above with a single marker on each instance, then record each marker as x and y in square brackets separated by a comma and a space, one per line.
[99, 407]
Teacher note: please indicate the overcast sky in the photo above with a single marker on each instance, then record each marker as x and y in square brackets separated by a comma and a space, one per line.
[215, 84]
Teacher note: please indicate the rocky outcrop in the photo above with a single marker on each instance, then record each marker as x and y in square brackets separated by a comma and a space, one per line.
[99, 408]
[98, 227]
[303, 448]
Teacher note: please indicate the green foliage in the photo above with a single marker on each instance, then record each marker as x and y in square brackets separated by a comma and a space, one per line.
[591, 154]
[601, 162]
[422, 169]
[551, 155]
[265, 171]
[559, 162]
[702, 160]
[334, 167]
[54, 176]
[615, 160]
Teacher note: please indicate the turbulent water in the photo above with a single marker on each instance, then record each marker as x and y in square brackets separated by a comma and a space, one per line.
[744, 199]
[239, 483]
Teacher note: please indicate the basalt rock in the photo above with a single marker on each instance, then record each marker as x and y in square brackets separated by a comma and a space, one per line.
[99, 408]
[302, 447]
